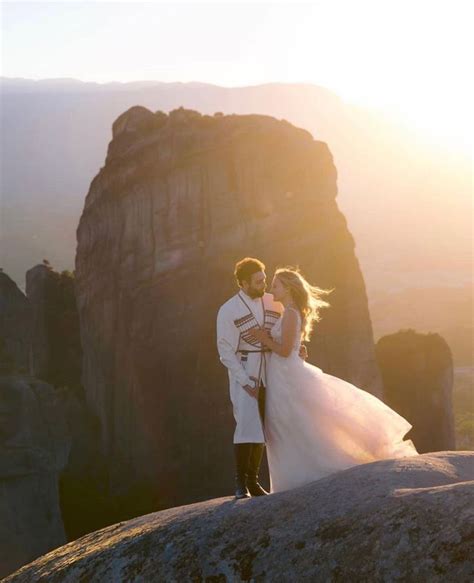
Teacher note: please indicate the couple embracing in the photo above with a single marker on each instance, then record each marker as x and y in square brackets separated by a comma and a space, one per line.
[312, 423]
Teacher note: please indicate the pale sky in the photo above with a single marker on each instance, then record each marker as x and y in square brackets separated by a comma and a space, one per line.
[411, 56]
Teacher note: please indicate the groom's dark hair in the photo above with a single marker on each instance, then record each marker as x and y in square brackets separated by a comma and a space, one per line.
[245, 268]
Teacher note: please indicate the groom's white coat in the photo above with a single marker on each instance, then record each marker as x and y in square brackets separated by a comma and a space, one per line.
[233, 318]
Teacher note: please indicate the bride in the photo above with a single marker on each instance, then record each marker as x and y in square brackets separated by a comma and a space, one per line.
[315, 423]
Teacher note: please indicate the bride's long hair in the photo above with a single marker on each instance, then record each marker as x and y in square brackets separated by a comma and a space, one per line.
[307, 297]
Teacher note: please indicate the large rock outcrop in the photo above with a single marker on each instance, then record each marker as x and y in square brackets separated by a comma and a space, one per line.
[180, 199]
[38, 284]
[417, 371]
[39, 330]
[50, 470]
[55, 334]
[34, 448]
[404, 520]
[15, 325]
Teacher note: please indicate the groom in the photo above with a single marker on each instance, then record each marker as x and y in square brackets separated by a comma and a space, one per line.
[246, 360]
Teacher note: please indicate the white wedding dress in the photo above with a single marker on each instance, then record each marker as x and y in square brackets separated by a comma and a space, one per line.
[317, 424]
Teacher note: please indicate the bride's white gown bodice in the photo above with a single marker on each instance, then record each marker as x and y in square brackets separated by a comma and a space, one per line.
[276, 333]
[317, 424]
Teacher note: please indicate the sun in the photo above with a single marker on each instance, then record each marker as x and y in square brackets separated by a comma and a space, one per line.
[409, 58]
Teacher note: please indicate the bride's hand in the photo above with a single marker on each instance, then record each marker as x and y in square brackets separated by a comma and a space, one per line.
[259, 334]
[303, 352]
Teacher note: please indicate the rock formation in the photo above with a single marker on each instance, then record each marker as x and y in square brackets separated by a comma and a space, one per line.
[34, 448]
[40, 330]
[181, 197]
[37, 288]
[417, 372]
[15, 325]
[395, 520]
[55, 326]
[85, 504]
[44, 427]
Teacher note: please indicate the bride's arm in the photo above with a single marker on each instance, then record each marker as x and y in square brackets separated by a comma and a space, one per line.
[289, 330]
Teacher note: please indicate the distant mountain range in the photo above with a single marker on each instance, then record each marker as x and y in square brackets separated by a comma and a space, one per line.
[407, 201]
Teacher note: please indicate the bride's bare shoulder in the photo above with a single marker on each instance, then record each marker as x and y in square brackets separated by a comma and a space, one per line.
[291, 314]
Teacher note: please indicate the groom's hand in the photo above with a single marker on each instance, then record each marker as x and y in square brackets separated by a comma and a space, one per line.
[252, 391]
[260, 334]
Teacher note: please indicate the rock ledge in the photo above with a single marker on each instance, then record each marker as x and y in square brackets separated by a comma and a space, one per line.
[394, 520]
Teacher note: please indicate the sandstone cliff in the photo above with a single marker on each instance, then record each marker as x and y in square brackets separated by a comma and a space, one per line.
[54, 335]
[49, 467]
[417, 371]
[40, 329]
[181, 197]
[34, 448]
[407, 520]
[15, 325]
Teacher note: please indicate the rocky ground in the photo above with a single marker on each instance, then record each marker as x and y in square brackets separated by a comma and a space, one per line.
[394, 520]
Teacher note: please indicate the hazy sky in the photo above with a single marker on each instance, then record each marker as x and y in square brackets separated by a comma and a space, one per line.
[412, 56]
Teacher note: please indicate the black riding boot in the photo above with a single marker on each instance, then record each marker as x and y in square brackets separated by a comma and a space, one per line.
[242, 455]
[256, 454]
